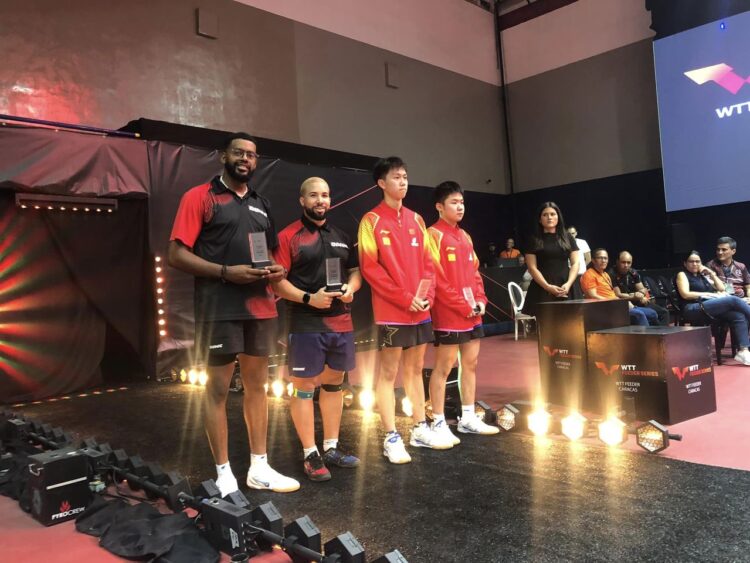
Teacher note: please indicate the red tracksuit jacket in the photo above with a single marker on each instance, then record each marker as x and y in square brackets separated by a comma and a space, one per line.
[394, 255]
[456, 267]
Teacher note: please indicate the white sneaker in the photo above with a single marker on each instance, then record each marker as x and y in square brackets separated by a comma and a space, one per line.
[743, 357]
[475, 425]
[227, 484]
[443, 430]
[394, 450]
[422, 436]
[263, 476]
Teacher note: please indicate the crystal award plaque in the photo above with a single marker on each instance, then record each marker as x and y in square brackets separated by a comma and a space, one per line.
[469, 296]
[259, 250]
[423, 288]
[333, 274]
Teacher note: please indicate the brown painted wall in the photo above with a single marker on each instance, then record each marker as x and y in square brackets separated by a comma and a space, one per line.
[104, 63]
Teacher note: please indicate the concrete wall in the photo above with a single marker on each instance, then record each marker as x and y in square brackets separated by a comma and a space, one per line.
[106, 63]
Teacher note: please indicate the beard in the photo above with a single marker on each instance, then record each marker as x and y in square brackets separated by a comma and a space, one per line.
[315, 215]
[231, 170]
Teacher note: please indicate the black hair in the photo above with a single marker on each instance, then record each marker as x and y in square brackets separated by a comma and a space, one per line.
[239, 135]
[689, 254]
[562, 236]
[445, 189]
[385, 165]
[727, 240]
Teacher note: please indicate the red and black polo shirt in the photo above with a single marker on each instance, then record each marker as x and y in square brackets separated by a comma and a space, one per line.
[216, 224]
[303, 249]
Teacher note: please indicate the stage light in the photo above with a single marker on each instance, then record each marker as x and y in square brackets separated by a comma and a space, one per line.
[157, 259]
[183, 375]
[574, 426]
[653, 437]
[613, 431]
[158, 269]
[202, 378]
[265, 387]
[406, 407]
[277, 388]
[367, 399]
[192, 376]
[62, 202]
[428, 410]
[538, 421]
[290, 388]
[162, 322]
[161, 311]
[507, 417]
[159, 290]
[347, 397]
[159, 280]
[484, 412]
[722, 26]
[160, 301]
[162, 333]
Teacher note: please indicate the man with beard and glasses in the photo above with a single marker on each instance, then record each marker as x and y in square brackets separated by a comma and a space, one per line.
[235, 310]
[321, 337]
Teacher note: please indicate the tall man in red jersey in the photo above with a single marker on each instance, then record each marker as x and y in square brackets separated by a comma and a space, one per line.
[235, 311]
[457, 313]
[321, 334]
[394, 256]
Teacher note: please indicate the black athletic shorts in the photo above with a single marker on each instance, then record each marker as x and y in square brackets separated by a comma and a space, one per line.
[218, 342]
[451, 337]
[404, 336]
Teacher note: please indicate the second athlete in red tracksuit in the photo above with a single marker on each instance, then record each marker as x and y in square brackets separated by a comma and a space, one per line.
[456, 268]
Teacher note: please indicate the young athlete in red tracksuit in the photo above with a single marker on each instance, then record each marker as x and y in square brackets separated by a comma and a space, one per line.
[457, 312]
[394, 257]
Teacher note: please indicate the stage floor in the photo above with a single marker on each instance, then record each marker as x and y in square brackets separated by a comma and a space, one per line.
[510, 497]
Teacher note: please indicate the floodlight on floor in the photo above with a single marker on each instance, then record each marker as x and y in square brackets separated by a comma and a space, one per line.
[277, 388]
[574, 426]
[183, 375]
[508, 417]
[366, 399]
[613, 431]
[538, 421]
[192, 376]
[654, 437]
[290, 389]
[484, 412]
[202, 377]
[347, 396]
[406, 406]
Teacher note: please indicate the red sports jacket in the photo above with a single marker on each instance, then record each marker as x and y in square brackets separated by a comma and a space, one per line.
[456, 267]
[394, 256]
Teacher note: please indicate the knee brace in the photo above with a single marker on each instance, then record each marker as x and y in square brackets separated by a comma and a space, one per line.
[302, 394]
[331, 388]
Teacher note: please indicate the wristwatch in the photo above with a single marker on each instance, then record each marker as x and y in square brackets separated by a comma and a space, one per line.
[306, 298]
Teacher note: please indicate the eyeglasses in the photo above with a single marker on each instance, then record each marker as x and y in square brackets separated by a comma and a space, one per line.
[239, 153]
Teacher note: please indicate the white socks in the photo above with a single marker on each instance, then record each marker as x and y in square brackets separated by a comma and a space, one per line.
[307, 451]
[329, 444]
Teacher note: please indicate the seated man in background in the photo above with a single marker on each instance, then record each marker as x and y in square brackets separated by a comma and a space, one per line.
[492, 256]
[510, 250]
[628, 285]
[597, 284]
[734, 274]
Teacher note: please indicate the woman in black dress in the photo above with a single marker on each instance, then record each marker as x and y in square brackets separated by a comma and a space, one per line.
[551, 258]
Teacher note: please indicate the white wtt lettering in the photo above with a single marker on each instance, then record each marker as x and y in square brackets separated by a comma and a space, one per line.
[729, 111]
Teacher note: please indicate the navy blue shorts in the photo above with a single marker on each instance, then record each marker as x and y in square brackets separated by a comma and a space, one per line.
[310, 352]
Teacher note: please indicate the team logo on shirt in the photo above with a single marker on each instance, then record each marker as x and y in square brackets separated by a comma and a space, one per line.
[339, 244]
[451, 257]
[256, 210]
[414, 241]
[412, 232]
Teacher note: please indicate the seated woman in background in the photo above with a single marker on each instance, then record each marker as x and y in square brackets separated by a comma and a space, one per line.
[702, 298]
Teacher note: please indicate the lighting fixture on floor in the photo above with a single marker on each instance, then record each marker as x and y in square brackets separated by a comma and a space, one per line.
[508, 417]
[654, 437]
[484, 412]
[538, 421]
[574, 426]
[406, 406]
[366, 399]
[613, 431]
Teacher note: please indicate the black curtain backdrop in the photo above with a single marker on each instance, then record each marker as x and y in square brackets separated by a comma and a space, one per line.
[76, 289]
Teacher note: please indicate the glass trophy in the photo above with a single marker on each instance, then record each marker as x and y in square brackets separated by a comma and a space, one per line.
[423, 288]
[259, 250]
[333, 274]
[469, 296]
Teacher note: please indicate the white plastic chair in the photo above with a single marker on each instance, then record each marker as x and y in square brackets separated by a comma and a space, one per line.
[517, 298]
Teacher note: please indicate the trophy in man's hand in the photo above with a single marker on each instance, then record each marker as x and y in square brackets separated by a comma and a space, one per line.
[469, 296]
[334, 280]
[259, 250]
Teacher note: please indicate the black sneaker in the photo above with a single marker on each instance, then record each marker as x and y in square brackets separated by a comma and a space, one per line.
[335, 456]
[315, 469]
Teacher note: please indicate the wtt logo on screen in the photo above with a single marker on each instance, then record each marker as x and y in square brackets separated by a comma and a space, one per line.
[724, 76]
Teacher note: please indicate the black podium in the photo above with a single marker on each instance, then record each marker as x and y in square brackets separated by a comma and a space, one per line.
[563, 360]
[667, 371]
